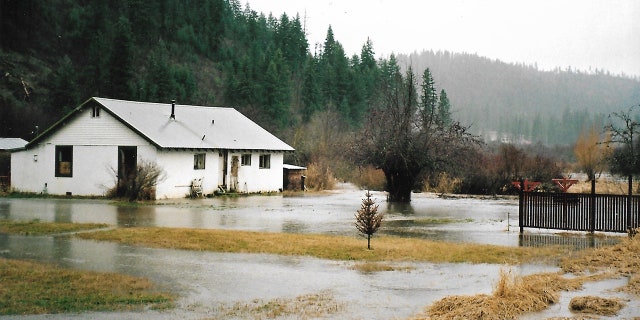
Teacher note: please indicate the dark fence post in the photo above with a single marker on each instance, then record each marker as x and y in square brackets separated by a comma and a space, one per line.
[592, 207]
[521, 206]
[630, 196]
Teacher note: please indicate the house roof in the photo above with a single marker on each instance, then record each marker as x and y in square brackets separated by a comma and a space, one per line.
[194, 127]
[12, 143]
[293, 167]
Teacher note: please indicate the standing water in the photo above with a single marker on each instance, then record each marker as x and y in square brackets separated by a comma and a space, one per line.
[206, 281]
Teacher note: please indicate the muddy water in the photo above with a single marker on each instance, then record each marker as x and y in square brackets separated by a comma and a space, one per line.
[205, 281]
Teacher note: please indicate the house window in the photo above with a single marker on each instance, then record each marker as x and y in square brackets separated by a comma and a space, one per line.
[95, 112]
[265, 161]
[64, 161]
[246, 160]
[198, 161]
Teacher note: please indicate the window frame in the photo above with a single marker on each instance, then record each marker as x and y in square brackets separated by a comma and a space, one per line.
[63, 152]
[95, 112]
[199, 161]
[245, 159]
[265, 161]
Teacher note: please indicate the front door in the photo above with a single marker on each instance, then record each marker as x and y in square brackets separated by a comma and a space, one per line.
[127, 162]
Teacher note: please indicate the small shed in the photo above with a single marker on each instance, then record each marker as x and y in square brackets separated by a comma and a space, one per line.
[6, 146]
[293, 177]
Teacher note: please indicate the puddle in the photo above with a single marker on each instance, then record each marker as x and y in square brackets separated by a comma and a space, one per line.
[205, 281]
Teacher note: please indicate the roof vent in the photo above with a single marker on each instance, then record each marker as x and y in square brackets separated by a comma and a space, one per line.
[173, 110]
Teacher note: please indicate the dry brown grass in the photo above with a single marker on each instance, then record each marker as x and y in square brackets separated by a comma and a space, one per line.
[309, 306]
[604, 186]
[512, 297]
[623, 258]
[444, 183]
[372, 267]
[369, 178]
[320, 176]
[34, 288]
[35, 227]
[596, 305]
[324, 246]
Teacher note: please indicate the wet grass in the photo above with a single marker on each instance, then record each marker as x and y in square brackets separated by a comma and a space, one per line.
[33, 288]
[515, 296]
[309, 306]
[35, 227]
[372, 267]
[324, 246]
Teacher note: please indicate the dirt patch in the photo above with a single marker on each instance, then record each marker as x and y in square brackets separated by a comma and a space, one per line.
[596, 305]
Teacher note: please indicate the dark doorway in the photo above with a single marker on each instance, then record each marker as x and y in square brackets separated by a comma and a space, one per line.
[127, 162]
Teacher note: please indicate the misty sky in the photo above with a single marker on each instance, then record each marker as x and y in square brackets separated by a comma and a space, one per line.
[583, 34]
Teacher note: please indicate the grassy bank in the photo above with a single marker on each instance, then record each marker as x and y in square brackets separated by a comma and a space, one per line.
[35, 227]
[33, 288]
[323, 246]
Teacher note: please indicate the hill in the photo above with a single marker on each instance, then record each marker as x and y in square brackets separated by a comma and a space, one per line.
[521, 103]
[56, 54]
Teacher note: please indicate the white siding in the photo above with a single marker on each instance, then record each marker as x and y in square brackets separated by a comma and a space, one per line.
[92, 170]
[254, 179]
[178, 167]
[100, 131]
[95, 144]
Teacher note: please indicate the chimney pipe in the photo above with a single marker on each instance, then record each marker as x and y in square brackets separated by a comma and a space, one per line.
[173, 110]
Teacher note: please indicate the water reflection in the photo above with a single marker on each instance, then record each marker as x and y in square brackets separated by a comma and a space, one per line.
[427, 216]
[572, 240]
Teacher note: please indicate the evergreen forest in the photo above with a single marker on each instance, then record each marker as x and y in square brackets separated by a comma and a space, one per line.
[56, 54]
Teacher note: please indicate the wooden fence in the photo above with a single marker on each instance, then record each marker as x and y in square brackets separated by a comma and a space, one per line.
[579, 212]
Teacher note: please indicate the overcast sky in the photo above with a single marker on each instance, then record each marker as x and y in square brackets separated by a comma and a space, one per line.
[583, 34]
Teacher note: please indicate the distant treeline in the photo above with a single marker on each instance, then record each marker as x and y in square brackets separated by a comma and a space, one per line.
[520, 103]
[56, 54]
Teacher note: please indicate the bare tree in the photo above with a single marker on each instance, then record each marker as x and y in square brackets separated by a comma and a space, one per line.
[403, 136]
[368, 219]
[592, 154]
[624, 133]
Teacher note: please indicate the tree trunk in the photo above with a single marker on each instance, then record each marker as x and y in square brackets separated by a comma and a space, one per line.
[399, 187]
[369, 242]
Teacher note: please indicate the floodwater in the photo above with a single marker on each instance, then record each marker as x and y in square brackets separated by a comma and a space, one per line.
[206, 281]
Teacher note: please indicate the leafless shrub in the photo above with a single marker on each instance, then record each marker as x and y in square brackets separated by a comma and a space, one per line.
[141, 185]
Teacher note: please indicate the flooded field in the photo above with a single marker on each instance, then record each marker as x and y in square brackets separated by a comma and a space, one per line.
[208, 282]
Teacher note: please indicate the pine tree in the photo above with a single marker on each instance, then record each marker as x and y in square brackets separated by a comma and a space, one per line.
[121, 62]
[444, 110]
[428, 99]
[368, 219]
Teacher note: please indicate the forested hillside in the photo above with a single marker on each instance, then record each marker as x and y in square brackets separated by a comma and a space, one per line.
[520, 103]
[56, 54]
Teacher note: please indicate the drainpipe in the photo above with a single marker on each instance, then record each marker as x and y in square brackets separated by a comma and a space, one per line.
[173, 110]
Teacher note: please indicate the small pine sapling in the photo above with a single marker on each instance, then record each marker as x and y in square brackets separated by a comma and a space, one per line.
[368, 219]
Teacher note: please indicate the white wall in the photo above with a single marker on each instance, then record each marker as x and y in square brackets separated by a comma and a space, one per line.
[253, 179]
[178, 167]
[95, 144]
[92, 170]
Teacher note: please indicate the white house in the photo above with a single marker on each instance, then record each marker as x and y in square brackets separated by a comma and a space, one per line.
[85, 152]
